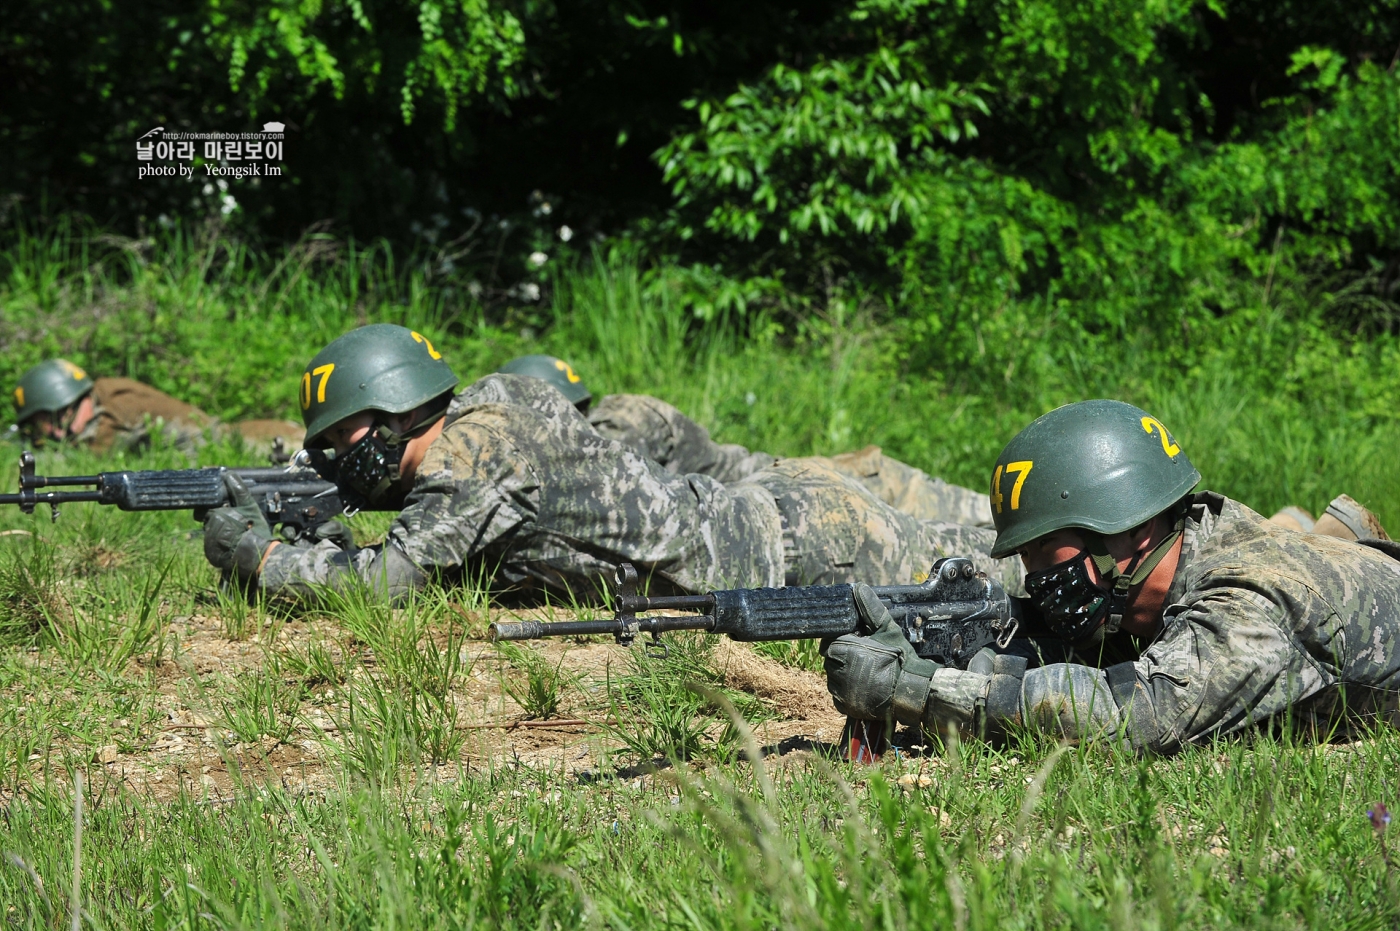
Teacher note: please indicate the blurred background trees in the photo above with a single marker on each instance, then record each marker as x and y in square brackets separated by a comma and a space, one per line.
[972, 167]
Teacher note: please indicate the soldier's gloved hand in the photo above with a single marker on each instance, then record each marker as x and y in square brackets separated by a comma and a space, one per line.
[337, 533]
[871, 677]
[236, 535]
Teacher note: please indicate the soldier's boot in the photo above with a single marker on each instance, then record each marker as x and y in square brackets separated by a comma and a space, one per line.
[1294, 518]
[1348, 520]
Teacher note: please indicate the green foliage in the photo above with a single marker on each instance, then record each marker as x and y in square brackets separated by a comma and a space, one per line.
[659, 706]
[462, 45]
[261, 706]
[1226, 836]
[991, 170]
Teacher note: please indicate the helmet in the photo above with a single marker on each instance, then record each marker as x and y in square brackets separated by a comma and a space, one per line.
[557, 372]
[1104, 466]
[49, 387]
[380, 367]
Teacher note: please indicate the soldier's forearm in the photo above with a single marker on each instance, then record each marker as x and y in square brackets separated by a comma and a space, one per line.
[301, 572]
[1069, 700]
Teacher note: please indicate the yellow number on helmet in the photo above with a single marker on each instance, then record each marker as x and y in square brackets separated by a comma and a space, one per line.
[1020, 470]
[568, 371]
[420, 338]
[305, 390]
[325, 372]
[1168, 444]
[19, 397]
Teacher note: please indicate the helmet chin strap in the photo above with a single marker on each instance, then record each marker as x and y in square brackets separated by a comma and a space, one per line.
[1125, 579]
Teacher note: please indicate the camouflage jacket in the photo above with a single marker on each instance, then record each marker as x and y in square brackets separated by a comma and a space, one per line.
[1259, 621]
[126, 412]
[662, 433]
[521, 489]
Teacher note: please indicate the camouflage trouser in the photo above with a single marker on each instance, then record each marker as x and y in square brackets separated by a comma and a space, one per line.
[836, 530]
[914, 491]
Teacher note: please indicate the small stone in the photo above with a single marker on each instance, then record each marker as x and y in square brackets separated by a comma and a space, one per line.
[910, 781]
[107, 754]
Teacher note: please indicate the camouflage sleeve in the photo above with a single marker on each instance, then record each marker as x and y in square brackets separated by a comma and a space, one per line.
[638, 422]
[472, 490]
[1225, 661]
[295, 572]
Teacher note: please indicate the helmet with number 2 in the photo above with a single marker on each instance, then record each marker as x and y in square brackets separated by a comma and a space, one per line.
[557, 372]
[380, 367]
[1103, 466]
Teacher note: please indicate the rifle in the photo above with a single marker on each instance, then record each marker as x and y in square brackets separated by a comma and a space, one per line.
[948, 619]
[298, 499]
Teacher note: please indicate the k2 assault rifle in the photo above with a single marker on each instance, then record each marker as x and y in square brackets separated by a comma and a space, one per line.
[298, 499]
[947, 619]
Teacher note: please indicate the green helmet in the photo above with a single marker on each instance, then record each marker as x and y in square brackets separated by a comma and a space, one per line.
[557, 372]
[1103, 466]
[380, 367]
[49, 387]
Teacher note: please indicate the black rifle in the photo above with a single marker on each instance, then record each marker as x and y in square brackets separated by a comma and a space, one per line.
[298, 499]
[948, 618]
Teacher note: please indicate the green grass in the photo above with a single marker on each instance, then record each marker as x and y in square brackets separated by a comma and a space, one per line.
[1267, 835]
[107, 618]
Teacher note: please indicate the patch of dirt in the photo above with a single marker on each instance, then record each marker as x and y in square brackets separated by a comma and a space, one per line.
[190, 749]
[794, 693]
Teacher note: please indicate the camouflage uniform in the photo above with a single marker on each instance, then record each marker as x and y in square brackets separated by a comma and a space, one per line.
[662, 433]
[665, 435]
[127, 412]
[520, 488]
[1259, 621]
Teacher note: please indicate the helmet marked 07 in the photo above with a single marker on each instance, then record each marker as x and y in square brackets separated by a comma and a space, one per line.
[49, 387]
[380, 367]
[1103, 466]
[557, 372]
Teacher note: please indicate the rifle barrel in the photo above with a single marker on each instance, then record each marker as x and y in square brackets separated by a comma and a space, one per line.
[536, 630]
[50, 497]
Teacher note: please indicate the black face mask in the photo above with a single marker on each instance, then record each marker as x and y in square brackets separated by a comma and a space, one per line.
[372, 465]
[366, 471]
[1072, 605]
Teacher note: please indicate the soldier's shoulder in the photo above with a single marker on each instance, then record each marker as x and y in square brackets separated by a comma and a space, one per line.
[634, 410]
[1237, 542]
[514, 390]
